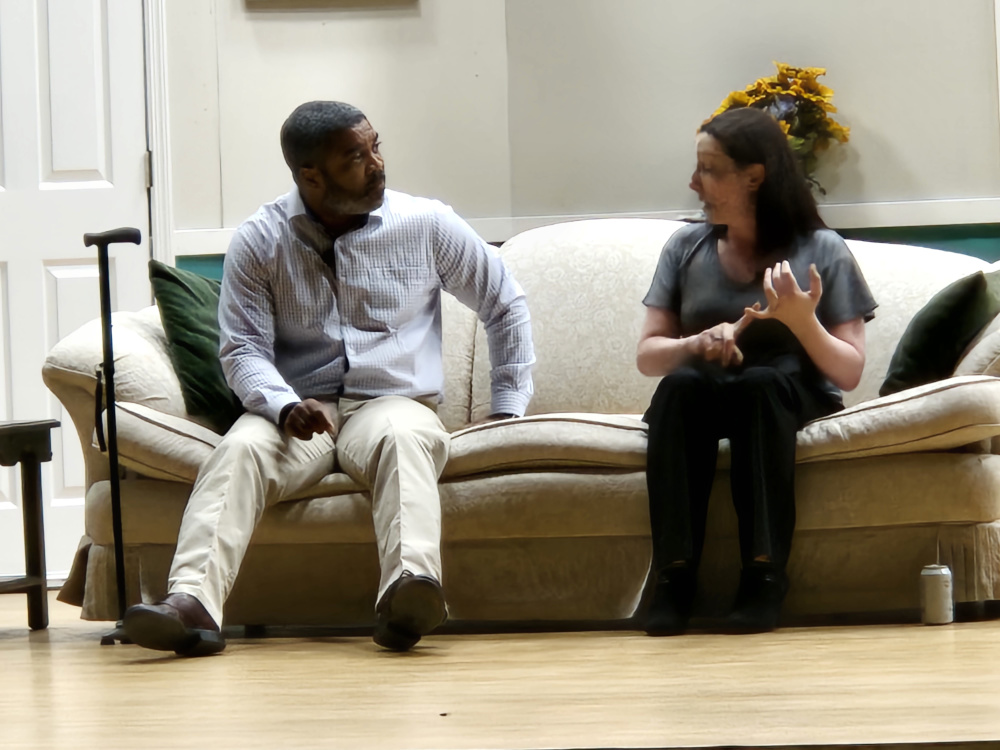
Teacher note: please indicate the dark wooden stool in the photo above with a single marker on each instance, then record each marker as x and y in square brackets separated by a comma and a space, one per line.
[29, 444]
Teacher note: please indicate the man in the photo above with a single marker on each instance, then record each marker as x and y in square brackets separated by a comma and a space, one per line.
[331, 337]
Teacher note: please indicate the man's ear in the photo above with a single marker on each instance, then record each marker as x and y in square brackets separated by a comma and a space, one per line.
[755, 176]
[310, 177]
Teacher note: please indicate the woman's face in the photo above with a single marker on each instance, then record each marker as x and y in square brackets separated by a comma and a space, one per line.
[726, 191]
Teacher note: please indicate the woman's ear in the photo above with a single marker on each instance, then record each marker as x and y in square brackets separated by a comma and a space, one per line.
[755, 176]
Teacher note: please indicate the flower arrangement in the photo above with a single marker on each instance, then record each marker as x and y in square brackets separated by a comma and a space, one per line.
[802, 107]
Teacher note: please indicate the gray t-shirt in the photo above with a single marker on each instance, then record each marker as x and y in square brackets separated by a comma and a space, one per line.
[691, 282]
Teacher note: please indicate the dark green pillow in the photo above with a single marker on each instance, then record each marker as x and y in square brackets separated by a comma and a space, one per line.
[941, 331]
[189, 310]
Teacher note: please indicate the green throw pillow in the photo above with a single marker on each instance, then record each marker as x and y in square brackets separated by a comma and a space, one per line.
[941, 331]
[189, 309]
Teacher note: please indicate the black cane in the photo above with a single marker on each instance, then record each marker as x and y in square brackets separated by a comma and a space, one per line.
[102, 240]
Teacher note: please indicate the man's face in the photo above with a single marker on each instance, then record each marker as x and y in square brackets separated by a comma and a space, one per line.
[353, 173]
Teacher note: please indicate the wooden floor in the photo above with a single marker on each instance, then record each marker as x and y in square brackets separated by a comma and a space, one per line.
[814, 686]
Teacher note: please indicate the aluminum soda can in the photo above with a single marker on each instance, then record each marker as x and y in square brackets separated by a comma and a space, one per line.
[936, 601]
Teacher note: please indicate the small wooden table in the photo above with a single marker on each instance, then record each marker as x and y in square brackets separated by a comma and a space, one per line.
[29, 444]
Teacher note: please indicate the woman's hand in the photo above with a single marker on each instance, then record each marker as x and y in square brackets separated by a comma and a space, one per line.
[838, 353]
[718, 344]
[785, 299]
[662, 349]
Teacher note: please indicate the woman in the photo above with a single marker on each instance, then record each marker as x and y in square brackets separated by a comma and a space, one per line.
[755, 321]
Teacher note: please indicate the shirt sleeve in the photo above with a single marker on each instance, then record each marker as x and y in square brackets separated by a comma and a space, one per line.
[246, 331]
[665, 291]
[846, 295]
[472, 271]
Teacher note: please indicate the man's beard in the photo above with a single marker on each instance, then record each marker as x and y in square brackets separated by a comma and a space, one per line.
[335, 202]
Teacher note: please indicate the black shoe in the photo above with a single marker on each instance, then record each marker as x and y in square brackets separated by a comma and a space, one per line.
[410, 609]
[180, 623]
[758, 600]
[673, 599]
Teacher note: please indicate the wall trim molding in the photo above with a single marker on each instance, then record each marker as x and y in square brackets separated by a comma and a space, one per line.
[161, 209]
[837, 215]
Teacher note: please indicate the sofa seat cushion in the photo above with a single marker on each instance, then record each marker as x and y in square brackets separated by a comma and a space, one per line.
[163, 446]
[940, 416]
[954, 414]
[159, 445]
[549, 441]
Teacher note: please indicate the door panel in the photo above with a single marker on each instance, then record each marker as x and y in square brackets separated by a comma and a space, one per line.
[72, 160]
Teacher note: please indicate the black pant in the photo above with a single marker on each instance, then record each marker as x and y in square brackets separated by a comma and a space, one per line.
[759, 409]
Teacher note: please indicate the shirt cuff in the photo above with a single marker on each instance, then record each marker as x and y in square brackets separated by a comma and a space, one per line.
[509, 402]
[276, 403]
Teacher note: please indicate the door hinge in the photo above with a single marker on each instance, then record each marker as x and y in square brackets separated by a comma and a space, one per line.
[148, 163]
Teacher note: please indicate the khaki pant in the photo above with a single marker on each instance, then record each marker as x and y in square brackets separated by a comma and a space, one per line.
[394, 446]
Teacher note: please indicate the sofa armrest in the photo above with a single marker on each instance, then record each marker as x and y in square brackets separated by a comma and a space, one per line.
[143, 375]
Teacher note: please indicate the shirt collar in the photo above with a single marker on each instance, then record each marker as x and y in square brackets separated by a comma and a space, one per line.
[311, 223]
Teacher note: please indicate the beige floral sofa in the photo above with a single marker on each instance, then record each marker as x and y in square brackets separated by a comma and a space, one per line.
[545, 517]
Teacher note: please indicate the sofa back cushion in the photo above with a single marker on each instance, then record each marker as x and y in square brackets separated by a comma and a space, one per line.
[585, 282]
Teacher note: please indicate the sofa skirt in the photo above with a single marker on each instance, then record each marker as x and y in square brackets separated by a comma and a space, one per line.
[589, 580]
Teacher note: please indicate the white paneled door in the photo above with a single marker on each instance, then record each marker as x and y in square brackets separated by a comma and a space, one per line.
[72, 160]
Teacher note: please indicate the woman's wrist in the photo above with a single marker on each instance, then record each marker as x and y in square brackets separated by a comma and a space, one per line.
[806, 327]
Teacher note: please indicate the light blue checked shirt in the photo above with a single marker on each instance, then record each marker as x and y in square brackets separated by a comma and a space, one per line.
[292, 329]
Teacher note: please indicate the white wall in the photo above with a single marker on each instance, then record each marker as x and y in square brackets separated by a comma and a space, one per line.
[521, 112]
[431, 76]
[605, 97]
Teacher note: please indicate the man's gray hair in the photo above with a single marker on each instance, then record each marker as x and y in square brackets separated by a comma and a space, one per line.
[306, 134]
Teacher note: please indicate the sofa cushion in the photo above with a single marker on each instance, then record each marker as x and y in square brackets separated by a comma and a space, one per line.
[946, 415]
[189, 309]
[547, 442]
[939, 333]
[163, 446]
[584, 282]
[951, 414]
[160, 445]
[167, 447]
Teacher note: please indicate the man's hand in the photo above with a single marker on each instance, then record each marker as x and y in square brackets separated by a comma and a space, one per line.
[311, 417]
[785, 299]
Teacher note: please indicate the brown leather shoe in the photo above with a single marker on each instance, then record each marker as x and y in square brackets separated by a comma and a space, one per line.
[180, 623]
[410, 609]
